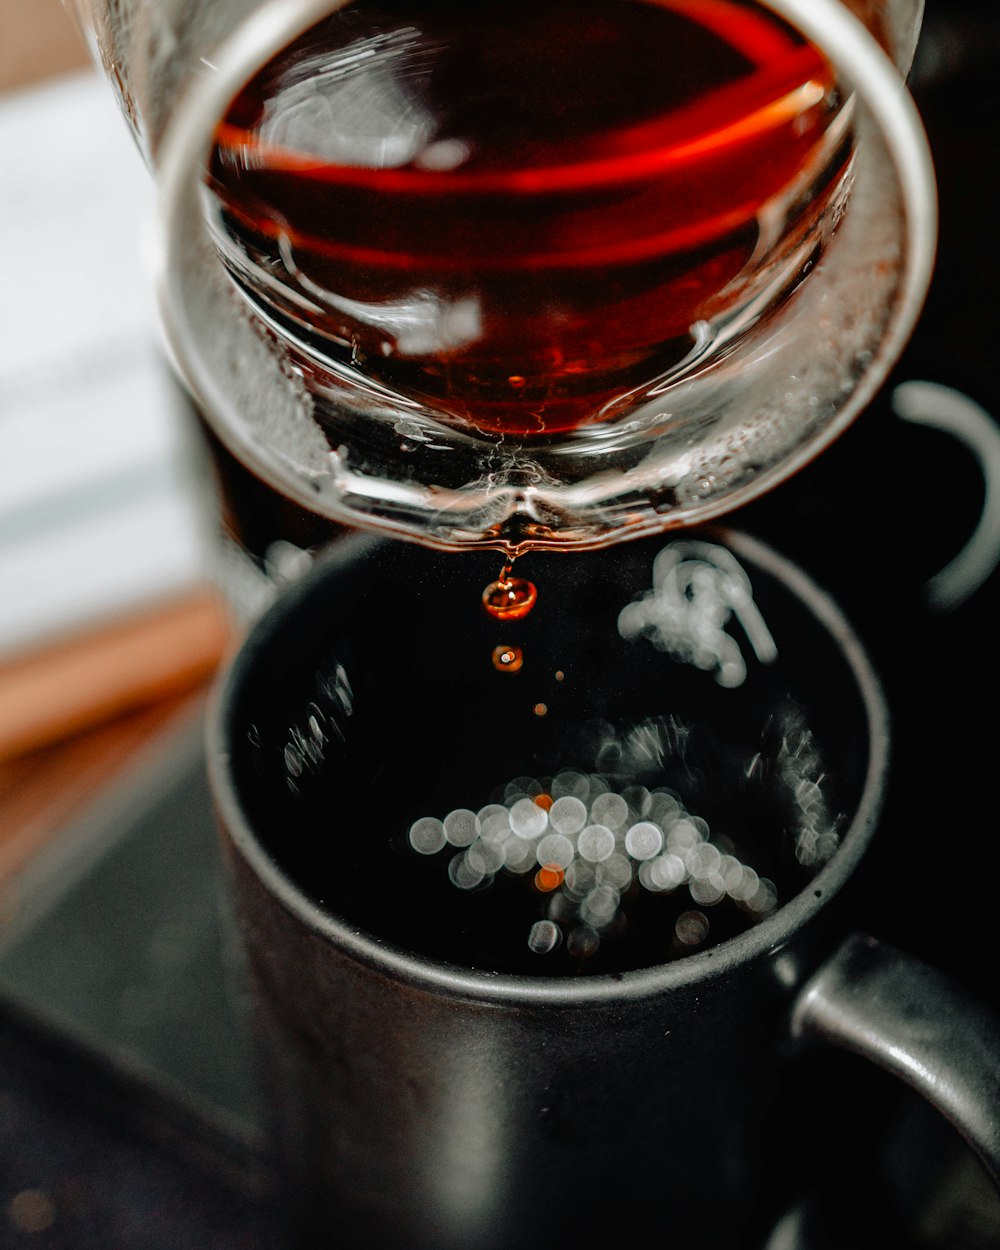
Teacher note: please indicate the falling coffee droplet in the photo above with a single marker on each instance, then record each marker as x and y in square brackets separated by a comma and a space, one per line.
[509, 598]
[507, 659]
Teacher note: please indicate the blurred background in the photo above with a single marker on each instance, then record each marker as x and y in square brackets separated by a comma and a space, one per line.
[110, 632]
[106, 617]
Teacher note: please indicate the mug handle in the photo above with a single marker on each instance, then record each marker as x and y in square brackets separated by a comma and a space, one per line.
[916, 1023]
[945, 409]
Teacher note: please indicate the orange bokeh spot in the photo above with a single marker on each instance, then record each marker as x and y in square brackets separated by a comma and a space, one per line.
[549, 877]
[543, 800]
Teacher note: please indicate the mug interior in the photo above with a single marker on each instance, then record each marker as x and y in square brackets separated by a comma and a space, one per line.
[368, 700]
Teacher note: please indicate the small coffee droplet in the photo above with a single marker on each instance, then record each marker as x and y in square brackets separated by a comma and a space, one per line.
[509, 598]
[507, 659]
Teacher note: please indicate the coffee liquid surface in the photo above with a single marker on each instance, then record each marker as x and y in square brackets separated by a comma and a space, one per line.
[517, 216]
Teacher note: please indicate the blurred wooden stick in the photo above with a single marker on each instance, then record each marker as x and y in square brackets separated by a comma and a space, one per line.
[61, 690]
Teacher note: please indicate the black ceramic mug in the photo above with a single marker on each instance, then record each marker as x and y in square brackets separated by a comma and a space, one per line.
[536, 910]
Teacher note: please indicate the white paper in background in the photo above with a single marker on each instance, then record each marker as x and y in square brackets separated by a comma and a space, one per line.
[99, 508]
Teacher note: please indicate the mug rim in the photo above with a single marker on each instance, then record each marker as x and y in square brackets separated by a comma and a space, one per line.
[765, 939]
